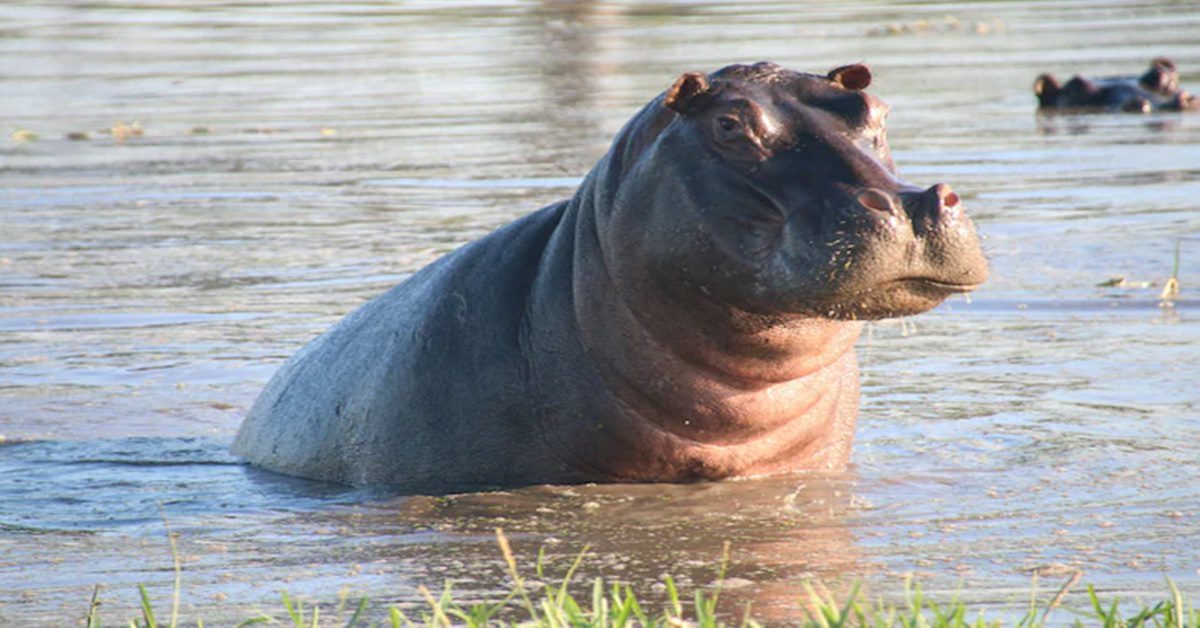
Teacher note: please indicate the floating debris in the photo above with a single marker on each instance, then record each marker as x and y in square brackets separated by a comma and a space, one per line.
[1052, 570]
[1171, 288]
[122, 132]
[78, 136]
[22, 136]
[328, 132]
[199, 130]
[1122, 282]
[947, 24]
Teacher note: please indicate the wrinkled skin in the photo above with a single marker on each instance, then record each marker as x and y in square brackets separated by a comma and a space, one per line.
[690, 313]
[1157, 89]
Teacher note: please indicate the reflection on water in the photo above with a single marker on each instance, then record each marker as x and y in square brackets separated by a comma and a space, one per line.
[299, 158]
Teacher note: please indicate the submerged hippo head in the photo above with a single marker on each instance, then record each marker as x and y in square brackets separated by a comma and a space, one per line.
[774, 192]
[1157, 89]
[1162, 77]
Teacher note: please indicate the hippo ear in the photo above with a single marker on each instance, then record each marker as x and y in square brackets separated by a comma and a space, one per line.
[853, 77]
[684, 92]
[1163, 63]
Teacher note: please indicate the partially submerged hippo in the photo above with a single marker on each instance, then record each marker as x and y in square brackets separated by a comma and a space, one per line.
[1157, 89]
[690, 313]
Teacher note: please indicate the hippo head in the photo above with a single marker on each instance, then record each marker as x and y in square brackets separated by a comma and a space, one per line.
[1047, 89]
[774, 192]
[1162, 77]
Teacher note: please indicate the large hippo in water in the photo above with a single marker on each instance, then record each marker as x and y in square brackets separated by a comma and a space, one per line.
[1156, 89]
[690, 313]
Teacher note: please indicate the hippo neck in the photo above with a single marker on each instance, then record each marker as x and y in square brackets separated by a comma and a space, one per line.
[725, 392]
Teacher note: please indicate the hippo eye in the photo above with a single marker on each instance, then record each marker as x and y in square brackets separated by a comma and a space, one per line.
[729, 124]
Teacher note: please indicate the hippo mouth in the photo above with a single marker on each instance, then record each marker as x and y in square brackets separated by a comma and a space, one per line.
[929, 283]
[904, 296]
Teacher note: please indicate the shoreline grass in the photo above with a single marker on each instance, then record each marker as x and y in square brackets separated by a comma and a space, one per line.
[561, 603]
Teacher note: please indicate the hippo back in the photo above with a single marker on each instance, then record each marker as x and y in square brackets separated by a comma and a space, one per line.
[424, 374]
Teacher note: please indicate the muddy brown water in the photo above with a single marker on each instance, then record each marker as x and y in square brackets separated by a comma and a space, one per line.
[298, 158]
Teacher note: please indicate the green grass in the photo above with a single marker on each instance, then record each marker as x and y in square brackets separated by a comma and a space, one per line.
[565, 602]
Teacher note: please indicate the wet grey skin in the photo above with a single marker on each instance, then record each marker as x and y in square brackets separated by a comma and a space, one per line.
[1156, 89]
[689, 314]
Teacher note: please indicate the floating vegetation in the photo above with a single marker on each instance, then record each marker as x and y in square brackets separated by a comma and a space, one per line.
[121, 132]
[22, 136]
[1171, 287]
[947, 24]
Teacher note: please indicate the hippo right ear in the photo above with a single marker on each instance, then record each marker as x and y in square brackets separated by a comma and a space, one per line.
[854, 77]
[683, 94]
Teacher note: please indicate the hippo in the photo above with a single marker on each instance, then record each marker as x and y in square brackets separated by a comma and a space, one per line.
[690, 313]
[1157, 89]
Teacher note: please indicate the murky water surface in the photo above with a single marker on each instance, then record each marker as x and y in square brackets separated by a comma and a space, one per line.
[298, 158]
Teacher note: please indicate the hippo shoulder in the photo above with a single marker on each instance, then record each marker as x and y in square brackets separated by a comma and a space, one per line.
[381, 396]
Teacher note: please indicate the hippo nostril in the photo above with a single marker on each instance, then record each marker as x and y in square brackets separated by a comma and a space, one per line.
[946, 198]
[878, 200]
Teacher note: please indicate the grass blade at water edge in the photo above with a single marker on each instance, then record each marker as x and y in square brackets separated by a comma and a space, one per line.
[506, 550]
[93, 615]
[147, 608]
[358, 611]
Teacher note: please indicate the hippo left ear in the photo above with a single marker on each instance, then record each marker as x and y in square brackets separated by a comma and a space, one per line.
[1163, 63]
[853, 77]
[683, 94]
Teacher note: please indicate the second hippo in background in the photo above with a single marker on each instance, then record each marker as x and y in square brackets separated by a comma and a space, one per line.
[1157, 89]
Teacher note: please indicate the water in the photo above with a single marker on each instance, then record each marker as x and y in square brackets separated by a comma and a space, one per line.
[299, 158]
